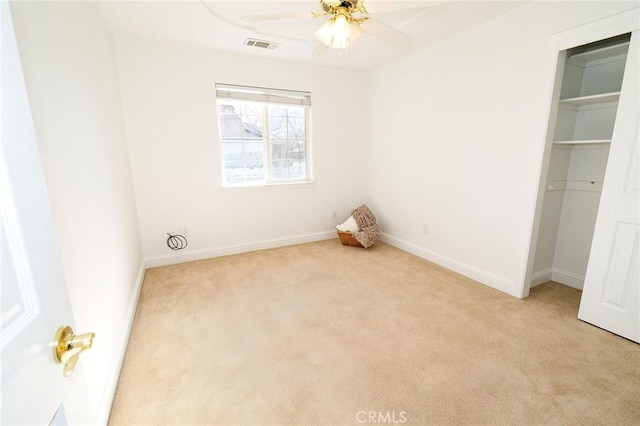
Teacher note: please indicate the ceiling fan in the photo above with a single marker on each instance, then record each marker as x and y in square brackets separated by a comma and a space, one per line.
[348, 21]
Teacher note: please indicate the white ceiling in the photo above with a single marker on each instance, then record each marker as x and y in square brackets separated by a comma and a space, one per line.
[219, 25]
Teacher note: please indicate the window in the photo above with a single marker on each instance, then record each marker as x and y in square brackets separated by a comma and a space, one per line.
[264, 135]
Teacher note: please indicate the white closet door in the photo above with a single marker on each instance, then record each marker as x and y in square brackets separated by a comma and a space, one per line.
[611, 295]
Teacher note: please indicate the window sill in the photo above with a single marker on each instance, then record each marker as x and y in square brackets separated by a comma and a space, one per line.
[269, 186]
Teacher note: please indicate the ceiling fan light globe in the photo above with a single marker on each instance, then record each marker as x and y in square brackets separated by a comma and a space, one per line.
[325, 33]
[341, 28]
[340, 43]
[337, 32]
[340, 32]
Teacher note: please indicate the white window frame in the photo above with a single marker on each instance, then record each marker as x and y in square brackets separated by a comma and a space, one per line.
[264, 97]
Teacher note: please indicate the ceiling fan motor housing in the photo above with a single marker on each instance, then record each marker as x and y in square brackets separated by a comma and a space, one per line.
[338, 6]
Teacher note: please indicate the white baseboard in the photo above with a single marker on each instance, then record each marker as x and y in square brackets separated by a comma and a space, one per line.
[563, 277]
[104, 410]
[189, 256]
[567, 278]
[469, 271]
[541, 277]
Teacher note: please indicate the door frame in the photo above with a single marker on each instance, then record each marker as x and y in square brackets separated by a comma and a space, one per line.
[621, 23]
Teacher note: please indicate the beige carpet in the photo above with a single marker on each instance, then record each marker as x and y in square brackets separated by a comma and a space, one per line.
[325, 334]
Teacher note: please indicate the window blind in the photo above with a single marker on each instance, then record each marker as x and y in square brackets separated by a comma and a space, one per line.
[260, 94]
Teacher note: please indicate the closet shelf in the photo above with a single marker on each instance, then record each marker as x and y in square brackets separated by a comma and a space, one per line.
[605, 52]
[574, 185]
[592, 99]
[582, 142]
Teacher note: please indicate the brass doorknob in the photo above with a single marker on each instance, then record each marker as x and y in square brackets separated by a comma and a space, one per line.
[67, 347]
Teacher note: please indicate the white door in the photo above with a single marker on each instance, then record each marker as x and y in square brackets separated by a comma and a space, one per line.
[611, 295]
[34, 299]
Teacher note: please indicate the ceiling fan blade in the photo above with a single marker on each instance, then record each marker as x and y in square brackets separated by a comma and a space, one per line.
[378, 7]
[277, 17]
[319, 49]
[254, 30]
[385, 33]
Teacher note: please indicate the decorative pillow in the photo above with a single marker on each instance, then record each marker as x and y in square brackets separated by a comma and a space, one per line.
[348, 225]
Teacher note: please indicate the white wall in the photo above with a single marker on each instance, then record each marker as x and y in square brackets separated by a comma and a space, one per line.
[577, 209]
[69, 68]
[551, 213]
[456, 136]
[569, 213]
[169, 104]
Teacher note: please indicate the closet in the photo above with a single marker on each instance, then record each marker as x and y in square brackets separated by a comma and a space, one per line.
[584, 125]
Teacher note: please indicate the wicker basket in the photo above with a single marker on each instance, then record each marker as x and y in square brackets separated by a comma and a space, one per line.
[346, 238]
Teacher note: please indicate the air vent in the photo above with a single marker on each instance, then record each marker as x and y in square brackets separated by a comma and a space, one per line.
[260, 43]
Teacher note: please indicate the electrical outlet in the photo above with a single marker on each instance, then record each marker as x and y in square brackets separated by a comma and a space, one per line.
[335, 214]
[425, 229]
